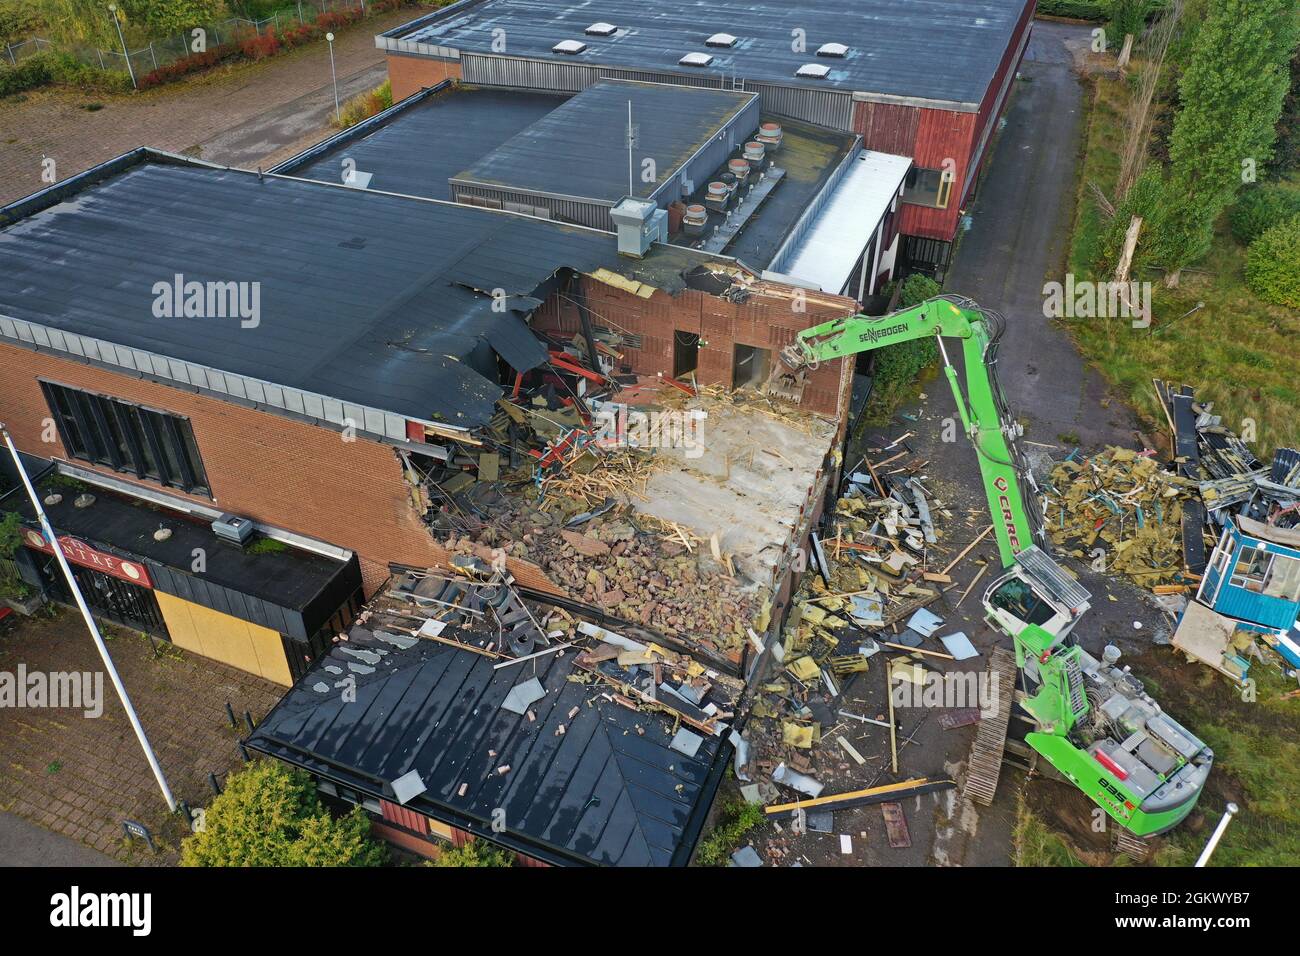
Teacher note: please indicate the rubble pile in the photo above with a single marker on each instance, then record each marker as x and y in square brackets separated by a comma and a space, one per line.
[624, 563]
[1122, 511]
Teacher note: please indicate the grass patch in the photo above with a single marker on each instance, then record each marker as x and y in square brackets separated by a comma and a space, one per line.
[735, 819]
[1033, 843]
[1256, 764]
[266, 546]
[1237, 350]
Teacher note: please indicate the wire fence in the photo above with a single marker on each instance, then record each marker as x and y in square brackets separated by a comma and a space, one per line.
[163, 51]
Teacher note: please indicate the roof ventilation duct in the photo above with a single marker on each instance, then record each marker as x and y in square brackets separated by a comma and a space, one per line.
[637, 221]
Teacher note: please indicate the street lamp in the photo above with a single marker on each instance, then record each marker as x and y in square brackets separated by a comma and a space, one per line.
[112, 8]
[338, 115]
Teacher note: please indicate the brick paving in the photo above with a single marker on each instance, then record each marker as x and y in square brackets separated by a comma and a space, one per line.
[220, 116]
[82, 777]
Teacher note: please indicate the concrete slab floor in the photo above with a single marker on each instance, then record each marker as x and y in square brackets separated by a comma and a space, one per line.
[747, 483]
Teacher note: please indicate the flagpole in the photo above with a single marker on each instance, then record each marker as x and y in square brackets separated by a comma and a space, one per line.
[90, 623]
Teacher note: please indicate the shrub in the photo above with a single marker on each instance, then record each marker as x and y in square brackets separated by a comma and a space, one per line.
[1074, 9]
[366, 105]
[270, 815]
[475, 853]
[260, 47]
[29, 74]
[1273, 264]
[192, 63]
[736, 819]
[1260, 209]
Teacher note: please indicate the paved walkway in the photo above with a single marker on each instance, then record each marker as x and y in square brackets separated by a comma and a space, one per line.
[81, 777]
[248, 114]
[25, 844]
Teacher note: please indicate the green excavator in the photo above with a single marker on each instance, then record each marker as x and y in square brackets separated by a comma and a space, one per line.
[1090, 719]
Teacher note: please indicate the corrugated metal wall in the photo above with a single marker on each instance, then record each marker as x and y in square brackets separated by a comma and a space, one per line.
[825, 107]
[712, 156]
[562, 210]
[811, 212]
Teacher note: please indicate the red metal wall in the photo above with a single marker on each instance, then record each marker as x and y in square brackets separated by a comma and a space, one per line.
[931, 136]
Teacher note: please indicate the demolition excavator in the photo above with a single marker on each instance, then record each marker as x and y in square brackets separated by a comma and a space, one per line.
[1090, 719]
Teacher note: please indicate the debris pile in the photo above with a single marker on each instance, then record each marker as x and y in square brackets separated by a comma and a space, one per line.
[1123, 512]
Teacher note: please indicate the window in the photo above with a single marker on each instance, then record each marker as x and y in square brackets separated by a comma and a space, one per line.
[928, 187]
[1252, 567]
[126, 437]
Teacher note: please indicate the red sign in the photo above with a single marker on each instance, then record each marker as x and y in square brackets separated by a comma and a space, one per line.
[78, 552]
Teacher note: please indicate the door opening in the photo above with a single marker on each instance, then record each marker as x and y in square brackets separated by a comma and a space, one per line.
[750, 366]
[686, 353]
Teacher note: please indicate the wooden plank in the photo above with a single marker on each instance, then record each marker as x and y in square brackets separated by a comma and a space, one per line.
[966, 550]
[896, 825]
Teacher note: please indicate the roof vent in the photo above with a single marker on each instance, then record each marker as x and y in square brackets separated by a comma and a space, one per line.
[569, 46]
[813, 71]
[721, 39]
[832, 49]
[696, 59]
[602, 29]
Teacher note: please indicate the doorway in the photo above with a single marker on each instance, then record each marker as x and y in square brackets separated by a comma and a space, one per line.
[686, 353]
[749, 366]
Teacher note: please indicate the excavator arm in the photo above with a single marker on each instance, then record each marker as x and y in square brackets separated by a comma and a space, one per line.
[1008, 483]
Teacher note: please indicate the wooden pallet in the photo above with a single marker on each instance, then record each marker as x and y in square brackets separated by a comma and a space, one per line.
[991, 738]
[1130, 844]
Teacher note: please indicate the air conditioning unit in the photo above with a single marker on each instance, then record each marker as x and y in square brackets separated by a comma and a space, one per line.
[233, 528]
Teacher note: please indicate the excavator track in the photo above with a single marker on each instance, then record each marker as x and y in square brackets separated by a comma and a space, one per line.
[991, 739]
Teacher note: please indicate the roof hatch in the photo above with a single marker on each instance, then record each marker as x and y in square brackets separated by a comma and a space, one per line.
[569, 46]
[813, 71]
[601, 29]
[721, 39]
[696, 59]
[832, 49]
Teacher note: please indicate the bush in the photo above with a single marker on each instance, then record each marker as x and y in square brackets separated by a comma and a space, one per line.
[475, 853]
[47, 67]
[1260, 209]
[270, 815]
[260, 47]
[1273, 264]
[366, 105]
[1074, 9]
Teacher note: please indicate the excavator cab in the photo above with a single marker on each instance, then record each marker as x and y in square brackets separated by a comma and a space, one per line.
[1035, 591]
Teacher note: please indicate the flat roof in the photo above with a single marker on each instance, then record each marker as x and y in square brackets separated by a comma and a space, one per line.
[828, 253]
[946, 51]
[809, 156]
[425, 139]
[376, 302]
[580, 149]
[607, 789]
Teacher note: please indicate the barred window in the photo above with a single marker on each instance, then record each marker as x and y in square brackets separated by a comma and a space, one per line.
[126, 437]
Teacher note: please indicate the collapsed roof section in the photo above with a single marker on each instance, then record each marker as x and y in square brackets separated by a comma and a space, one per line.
[354, 307]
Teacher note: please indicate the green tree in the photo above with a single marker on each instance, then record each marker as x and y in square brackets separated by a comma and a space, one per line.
[1126, 16]
[269, 815]
[1273, 264]
[1232, 91]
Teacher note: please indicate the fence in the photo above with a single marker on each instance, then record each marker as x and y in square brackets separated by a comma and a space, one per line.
[164, 50]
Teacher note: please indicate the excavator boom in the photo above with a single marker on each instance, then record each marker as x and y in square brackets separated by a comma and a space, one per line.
[1008, 483]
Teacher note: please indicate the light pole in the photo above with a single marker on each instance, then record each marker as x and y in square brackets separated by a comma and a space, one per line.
[338, 115]
[1229, 812]
[90, 623]
[112, 8]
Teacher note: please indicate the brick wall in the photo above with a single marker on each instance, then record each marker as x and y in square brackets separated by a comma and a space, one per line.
[278, 471]
[410, 74]
[761, 321]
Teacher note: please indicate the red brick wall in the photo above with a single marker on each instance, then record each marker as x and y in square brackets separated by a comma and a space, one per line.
[410, 74]
[280, 472]
[767, 322]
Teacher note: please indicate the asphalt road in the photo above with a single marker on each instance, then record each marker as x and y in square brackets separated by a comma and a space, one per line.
[25, 844]
[1021, 220]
